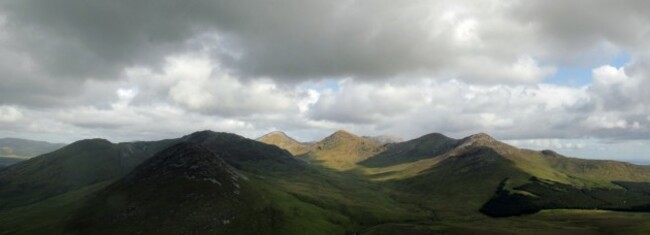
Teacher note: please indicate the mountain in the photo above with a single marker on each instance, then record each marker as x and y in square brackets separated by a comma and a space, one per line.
[427, 146]
[213, 182]
[186, 188]
[342, 150]
[384, 139]
[72, 167]
[13, 150]
[479, 173]
[282, 140]
[192, 187]
[92, 161]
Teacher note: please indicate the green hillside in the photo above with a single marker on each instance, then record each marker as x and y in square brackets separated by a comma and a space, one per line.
[342, 150]
[72, 167]
[212, 182]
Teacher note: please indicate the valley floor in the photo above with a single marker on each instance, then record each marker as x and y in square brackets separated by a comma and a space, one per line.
[557, 222]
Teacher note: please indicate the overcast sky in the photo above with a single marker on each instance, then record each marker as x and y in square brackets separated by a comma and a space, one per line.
[573, 76]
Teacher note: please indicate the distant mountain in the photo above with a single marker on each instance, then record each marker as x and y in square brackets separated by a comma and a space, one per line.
[480, 173]
[342, 150]
[424, 147]
[13, 150]
[282, 140]
[72, 167]
[384, 139]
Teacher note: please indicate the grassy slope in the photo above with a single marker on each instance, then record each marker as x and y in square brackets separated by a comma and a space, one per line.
[425, 147]
[423, 194]
[10, 160]
[459, 185]
[302, 198]
[342, 151]
[285, 142]
[47, 216]
[72, 167]
[558, 222]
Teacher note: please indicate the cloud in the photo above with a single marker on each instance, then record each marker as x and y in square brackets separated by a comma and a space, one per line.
[204, 87]
[142, 70]
[363, 103]
[286, 41]
[10, 114]
[457, 108]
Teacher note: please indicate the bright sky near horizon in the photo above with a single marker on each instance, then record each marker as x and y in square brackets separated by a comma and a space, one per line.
[565, 75]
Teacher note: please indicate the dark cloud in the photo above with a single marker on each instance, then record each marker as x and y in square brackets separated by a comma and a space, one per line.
[579, 31]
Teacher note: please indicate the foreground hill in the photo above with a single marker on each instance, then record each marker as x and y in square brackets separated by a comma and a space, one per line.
[14, 150]
[72, 167]
[285, 194]
[186, 188]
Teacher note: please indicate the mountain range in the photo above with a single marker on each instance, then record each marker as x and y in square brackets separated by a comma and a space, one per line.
[212, 182]
[13, 150]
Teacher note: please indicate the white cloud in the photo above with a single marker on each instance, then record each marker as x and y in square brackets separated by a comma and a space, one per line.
[10, 114]
[199, 84]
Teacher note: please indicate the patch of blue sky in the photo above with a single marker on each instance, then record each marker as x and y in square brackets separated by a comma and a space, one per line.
[620, 60]
[322, 85]
[577, 76]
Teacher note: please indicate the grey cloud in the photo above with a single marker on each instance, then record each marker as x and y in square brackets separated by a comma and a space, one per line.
[575, 31]
[484, 59]
[296, 40]
[299, 40]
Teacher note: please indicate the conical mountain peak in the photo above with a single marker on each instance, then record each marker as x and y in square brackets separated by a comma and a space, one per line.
[343, 134]
[284, 141]
[480, 138]
[192, 161]
[275, 134]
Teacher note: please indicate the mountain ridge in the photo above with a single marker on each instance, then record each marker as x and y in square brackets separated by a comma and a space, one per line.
[345, 183]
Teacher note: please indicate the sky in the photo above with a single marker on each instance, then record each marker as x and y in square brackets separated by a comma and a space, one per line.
[565, 75]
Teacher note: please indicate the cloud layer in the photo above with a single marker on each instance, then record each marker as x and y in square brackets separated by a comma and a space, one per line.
[129, 70]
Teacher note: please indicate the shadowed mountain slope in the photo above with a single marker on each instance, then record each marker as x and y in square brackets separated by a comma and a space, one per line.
[424, 147]
[269, 200]
[246, 154]
[72, 167]
[186, 188]
[384, 139]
